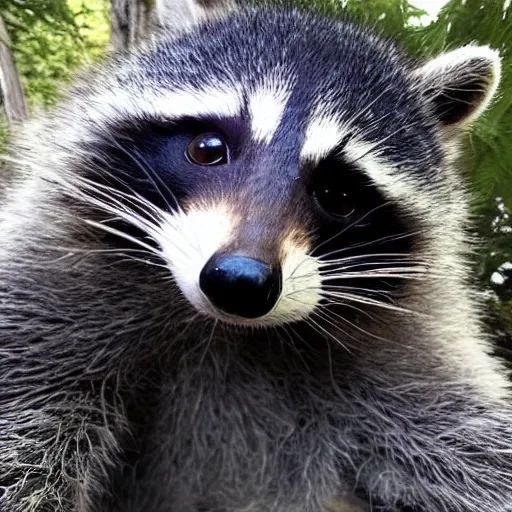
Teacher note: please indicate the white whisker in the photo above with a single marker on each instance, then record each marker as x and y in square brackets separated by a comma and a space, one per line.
[382, 240]
[348, 297]
[150, 174]
[346, 228]
[119, 233]
[321, 329]
[341, 318]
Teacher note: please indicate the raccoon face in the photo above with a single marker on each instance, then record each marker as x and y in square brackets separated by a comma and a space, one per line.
[280, 164]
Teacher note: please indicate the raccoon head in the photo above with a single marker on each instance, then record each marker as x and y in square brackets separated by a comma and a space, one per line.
[278, 163]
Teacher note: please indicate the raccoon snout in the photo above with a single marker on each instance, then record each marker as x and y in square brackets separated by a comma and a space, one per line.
[241, 286]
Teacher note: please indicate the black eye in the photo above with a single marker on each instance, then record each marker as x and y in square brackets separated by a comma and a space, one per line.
[335, 199]
[207, 149]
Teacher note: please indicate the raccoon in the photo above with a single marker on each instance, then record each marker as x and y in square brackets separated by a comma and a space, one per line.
[233, 277]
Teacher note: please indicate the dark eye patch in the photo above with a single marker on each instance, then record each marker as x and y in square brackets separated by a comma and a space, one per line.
[149, 157]
[137, 160]
[341, 193]
[372, 232]
[140, 164]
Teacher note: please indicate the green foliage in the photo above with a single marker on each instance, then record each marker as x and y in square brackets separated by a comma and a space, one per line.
[4, 133]
[390, 17]
[51, 39]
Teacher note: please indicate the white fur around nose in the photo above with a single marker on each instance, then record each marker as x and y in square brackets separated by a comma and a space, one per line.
[189, 239]
[302, 285]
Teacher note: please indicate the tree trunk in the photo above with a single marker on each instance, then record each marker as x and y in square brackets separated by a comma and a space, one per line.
[130, 22]
[12, 97]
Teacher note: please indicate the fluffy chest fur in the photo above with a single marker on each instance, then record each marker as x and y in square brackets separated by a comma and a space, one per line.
[237, 424]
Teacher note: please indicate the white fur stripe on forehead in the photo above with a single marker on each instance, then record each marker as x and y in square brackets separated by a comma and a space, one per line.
[323, 134]
[267, 104]
[223, 100]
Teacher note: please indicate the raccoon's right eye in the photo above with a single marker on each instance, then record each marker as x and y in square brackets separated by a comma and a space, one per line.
[335, 198]
[207, 149]
[337, 203]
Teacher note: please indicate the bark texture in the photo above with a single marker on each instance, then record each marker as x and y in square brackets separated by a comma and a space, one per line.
[12, 97]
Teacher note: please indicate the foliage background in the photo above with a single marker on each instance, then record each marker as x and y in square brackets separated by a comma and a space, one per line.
[52, 38]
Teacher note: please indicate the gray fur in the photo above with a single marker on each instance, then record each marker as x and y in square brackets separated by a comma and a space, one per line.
[116, 395]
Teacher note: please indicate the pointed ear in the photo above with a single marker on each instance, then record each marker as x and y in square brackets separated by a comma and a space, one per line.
[176, 16]
[459, 85]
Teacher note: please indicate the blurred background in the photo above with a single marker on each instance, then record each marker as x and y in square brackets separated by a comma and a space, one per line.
[44, 42]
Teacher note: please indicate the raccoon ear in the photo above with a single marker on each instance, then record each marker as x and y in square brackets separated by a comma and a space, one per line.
[179, 15]
[460, 84]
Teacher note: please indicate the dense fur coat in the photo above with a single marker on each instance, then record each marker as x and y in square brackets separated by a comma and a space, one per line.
[126, 384]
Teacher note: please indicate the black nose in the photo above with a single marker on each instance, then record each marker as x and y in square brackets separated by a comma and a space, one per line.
[240, 286]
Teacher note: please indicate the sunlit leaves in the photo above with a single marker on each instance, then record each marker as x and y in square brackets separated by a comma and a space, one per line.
[51, 39]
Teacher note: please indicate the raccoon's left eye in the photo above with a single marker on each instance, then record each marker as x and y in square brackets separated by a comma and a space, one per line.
[335, 199]
[207, 149]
